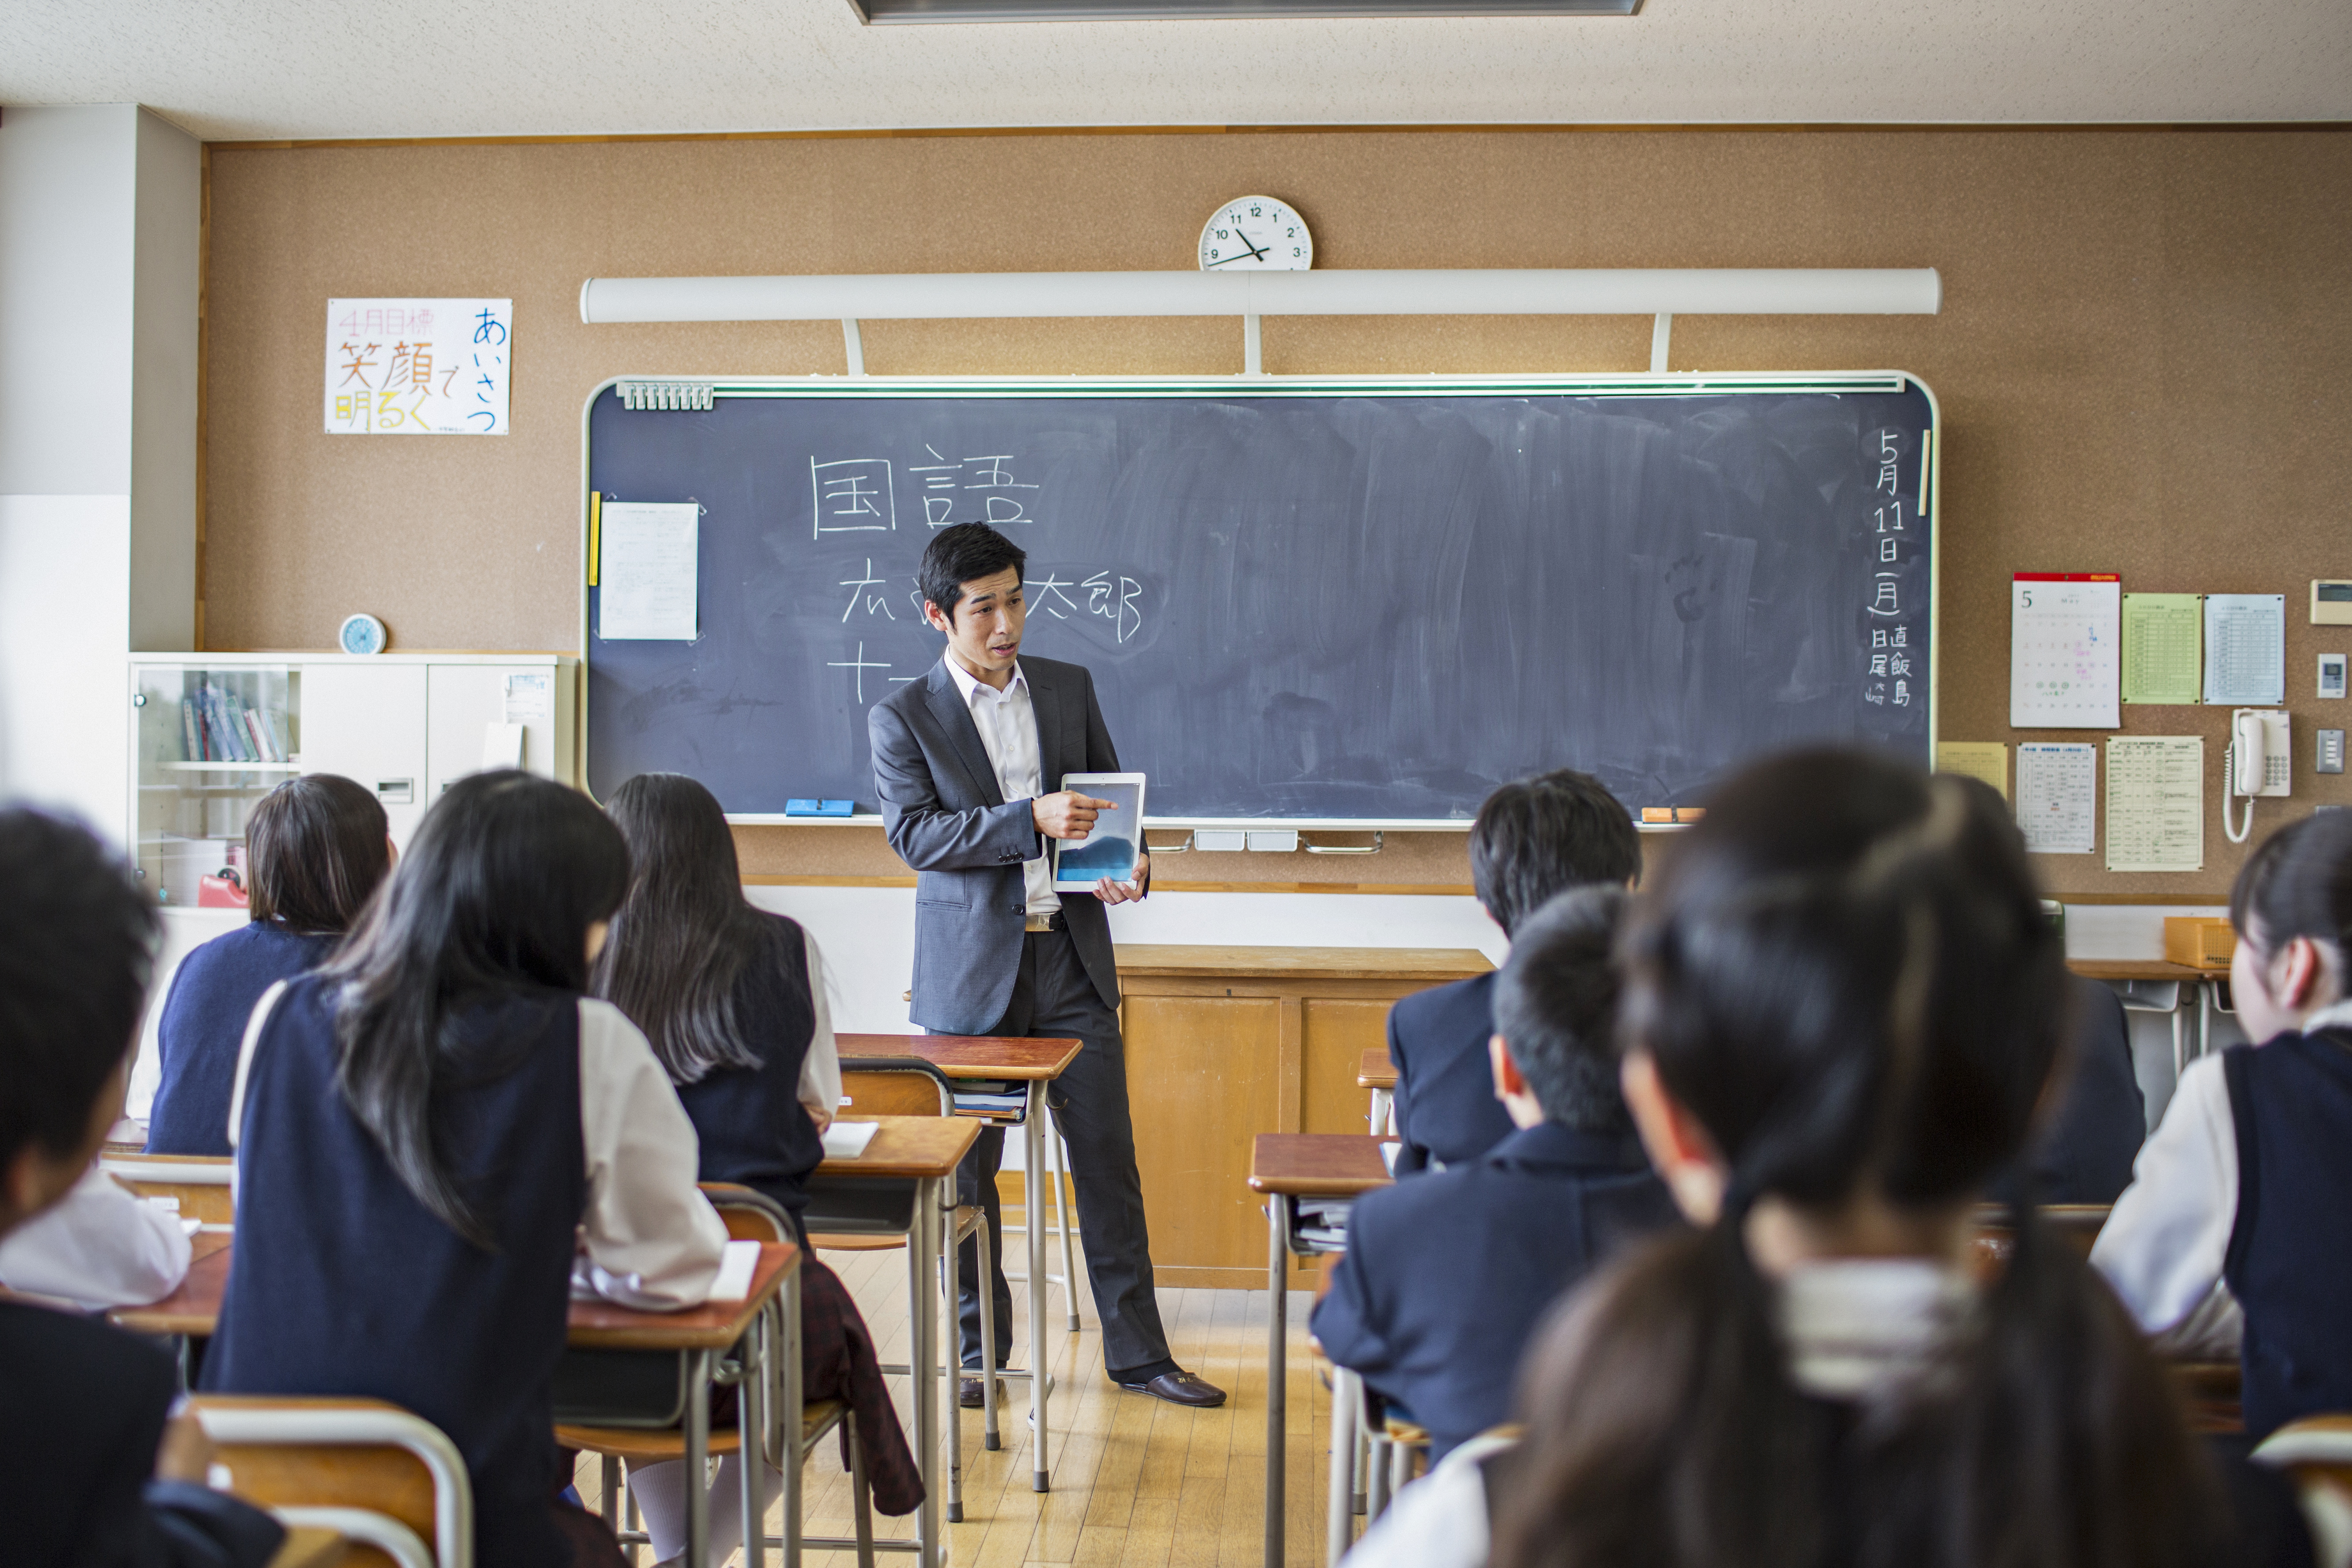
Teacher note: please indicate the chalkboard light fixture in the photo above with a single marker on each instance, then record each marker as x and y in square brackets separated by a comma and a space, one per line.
[883, 13]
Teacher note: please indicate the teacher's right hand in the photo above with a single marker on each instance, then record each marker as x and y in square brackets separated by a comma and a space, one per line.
[1066, 814]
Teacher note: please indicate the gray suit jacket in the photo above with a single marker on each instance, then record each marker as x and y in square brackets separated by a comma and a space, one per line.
[947, 818]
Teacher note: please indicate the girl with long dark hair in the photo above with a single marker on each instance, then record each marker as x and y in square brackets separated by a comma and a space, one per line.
[1842, 1006]
[2235, 1238]
[424, 1126]
[733, 1000]
[317, 847]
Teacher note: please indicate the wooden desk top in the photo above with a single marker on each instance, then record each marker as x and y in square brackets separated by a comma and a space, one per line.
[1376, 1071]
[905, 1146]
[969, 1056]
[195, 1307]
[1324, 1164]
[1433, 965]
[2141, 969]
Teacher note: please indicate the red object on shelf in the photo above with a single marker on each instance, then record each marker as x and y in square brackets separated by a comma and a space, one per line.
[219, 893]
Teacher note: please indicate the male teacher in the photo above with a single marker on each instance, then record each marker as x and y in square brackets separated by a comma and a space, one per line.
[962, 759]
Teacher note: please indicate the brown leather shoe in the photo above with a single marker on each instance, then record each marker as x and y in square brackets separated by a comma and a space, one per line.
[1180, 1388]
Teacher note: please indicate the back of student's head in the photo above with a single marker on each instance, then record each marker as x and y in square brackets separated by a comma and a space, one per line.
[78, 936]
[2299, 884]
[1545, 835]
[1843, 975]
[1555, 1005]
[685, 935]
[496, 895]
[316, 847]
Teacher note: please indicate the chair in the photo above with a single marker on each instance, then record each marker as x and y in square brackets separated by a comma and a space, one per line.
[383, 1479]
[198, 1182]
[910, 1086]
[749, 1215]
[2318, 1452]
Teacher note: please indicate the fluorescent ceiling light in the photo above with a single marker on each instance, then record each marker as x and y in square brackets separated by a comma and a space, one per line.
[896, 11]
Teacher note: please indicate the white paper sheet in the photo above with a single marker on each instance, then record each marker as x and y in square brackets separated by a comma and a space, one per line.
[2156, 803]
[529, 699]
[646, 578]
[2065, 661]
[2057, 798]
[418, 367]
[2245, 649]
[847, 1140]
[737, 1264]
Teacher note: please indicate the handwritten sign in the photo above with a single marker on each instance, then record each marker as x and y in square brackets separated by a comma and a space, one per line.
[418, 367]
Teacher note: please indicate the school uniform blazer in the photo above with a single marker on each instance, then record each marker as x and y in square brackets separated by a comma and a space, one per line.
[1445, 1102]
[1447, 1276]
[2085, 1153]
[82, 1407]
[947, 818]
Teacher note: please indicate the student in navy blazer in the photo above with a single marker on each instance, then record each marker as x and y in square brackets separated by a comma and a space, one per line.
[316, 848]
[1534, 838]
[1445, 1277]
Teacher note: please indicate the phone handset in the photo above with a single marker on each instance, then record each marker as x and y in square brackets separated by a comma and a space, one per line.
[2260, 761]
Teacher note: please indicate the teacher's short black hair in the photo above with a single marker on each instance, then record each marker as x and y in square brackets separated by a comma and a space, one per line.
[965, 554]
[77, 938]
[1546, 835]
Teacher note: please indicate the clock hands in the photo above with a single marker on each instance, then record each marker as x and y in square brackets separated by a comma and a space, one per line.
[1255, 253]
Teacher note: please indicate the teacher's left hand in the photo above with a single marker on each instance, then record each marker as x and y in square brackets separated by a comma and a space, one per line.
[1112, 892]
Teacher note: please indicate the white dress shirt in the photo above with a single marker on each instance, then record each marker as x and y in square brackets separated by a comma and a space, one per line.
[649, 1238]
[2164, 1246]
[99, 1247]
[819, 1087]
[1008, 729]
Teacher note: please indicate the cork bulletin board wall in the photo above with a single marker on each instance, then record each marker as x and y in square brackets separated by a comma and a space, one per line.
[2140, 359]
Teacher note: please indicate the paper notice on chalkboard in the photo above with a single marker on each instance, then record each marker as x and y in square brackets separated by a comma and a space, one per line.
[645, 582]
[2156, 803]
[418, 367]
[2245, 648]
[2057, 798]
[2066, 659]
[2161, 646]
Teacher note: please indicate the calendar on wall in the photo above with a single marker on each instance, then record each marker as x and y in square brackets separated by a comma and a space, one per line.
[2065, 650]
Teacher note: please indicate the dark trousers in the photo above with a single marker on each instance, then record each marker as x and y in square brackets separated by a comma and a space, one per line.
[1053, 998]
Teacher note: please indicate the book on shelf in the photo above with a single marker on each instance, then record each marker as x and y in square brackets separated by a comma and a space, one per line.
[191, 736]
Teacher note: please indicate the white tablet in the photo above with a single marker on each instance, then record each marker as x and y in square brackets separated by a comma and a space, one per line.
[1116, 842]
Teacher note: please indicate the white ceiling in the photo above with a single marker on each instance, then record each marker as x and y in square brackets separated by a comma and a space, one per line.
[232, 69]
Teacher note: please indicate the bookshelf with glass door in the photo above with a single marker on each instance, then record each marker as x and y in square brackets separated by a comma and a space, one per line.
[209, 742]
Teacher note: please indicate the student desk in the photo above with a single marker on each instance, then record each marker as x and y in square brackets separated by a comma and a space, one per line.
[2154, 986]
[900, 1185]
[1286, 1167]
[989, 1059]
[697, 1333]
[1378, 1074]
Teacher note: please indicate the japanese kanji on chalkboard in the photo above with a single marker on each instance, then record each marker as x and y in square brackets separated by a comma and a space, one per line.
[418, 367]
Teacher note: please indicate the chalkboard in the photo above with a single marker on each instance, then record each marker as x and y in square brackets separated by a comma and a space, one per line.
[1360, 603]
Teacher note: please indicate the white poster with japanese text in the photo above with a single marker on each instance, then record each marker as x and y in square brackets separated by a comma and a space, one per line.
[418, 367]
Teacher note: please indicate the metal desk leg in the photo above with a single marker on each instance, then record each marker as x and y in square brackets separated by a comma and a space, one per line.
[788, 1423]
[1060, 1158]
[751, 1425]
[698, 1456]
[1277, 1217]
[1033, 1196]
[922, 1256]
[1347, 1403]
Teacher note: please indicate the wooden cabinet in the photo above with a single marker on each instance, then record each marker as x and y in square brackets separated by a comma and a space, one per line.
[1224, 1043]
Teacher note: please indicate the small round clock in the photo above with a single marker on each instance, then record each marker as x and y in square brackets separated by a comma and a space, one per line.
[363, 634]
[1255, 234]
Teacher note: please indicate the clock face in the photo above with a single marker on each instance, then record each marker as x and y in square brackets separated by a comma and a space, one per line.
[1255, 234]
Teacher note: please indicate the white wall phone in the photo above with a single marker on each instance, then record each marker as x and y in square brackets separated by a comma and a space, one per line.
[2260, 763]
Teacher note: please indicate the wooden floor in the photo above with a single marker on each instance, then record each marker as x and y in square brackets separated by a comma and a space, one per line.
[1135, 1480]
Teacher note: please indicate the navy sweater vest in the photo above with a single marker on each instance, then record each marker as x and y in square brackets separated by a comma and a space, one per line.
[749, 1119]
[342, 1283]
[203, 1026]
[2290, 1258]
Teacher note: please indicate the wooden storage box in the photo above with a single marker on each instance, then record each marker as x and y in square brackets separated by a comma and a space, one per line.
[2200, 941]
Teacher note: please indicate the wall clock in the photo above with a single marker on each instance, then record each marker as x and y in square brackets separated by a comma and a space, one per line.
[1255, 234]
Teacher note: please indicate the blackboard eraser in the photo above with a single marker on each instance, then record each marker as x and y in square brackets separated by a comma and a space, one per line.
[1657, 813]
[1689, 813]
[820, 807]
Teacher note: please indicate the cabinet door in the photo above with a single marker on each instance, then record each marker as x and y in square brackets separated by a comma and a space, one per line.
[366, 721]
[465, 700]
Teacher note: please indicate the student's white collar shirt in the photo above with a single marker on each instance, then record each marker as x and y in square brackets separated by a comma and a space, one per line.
[1007, 724]
[100, 1246]
[2164, 1246]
